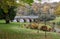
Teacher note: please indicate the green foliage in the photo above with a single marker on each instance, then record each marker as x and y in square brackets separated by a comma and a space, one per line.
[8, 16]
[46, 17]
[12, 12]
[28, 1]
[1, 14]
[7, 11]
[58, 23]
[6, 4]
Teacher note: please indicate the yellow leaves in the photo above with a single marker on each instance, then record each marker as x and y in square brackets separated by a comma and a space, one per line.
[45, 8]
[57, 10]
[35, 8]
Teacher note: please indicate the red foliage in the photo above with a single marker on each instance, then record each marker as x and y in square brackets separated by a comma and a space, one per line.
[45, 28]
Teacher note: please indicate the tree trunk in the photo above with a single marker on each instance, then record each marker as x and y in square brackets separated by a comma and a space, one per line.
[7, 21]
[45, 30]
[11, 20]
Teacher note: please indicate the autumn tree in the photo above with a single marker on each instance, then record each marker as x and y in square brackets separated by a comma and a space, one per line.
[57, 10]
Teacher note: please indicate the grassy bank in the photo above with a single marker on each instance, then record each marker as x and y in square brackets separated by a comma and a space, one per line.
[14, 31]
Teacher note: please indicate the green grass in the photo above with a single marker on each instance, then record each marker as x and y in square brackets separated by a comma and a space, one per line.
[16, 31]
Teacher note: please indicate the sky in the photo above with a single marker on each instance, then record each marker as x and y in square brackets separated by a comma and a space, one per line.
[47, 1]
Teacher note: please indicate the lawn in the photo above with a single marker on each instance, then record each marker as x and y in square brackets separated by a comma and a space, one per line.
[15, 31]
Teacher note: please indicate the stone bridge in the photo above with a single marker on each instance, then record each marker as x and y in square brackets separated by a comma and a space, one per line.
[25, 18]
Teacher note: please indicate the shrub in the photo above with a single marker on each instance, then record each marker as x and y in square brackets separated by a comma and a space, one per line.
[33, 26]
[50, 29]
[37, 26]
[45, 28]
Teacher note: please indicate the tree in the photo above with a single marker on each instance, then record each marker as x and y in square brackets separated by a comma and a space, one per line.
[32, 12]
[7, 8]
[12, 12]
[57, 10]
[46, 17]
